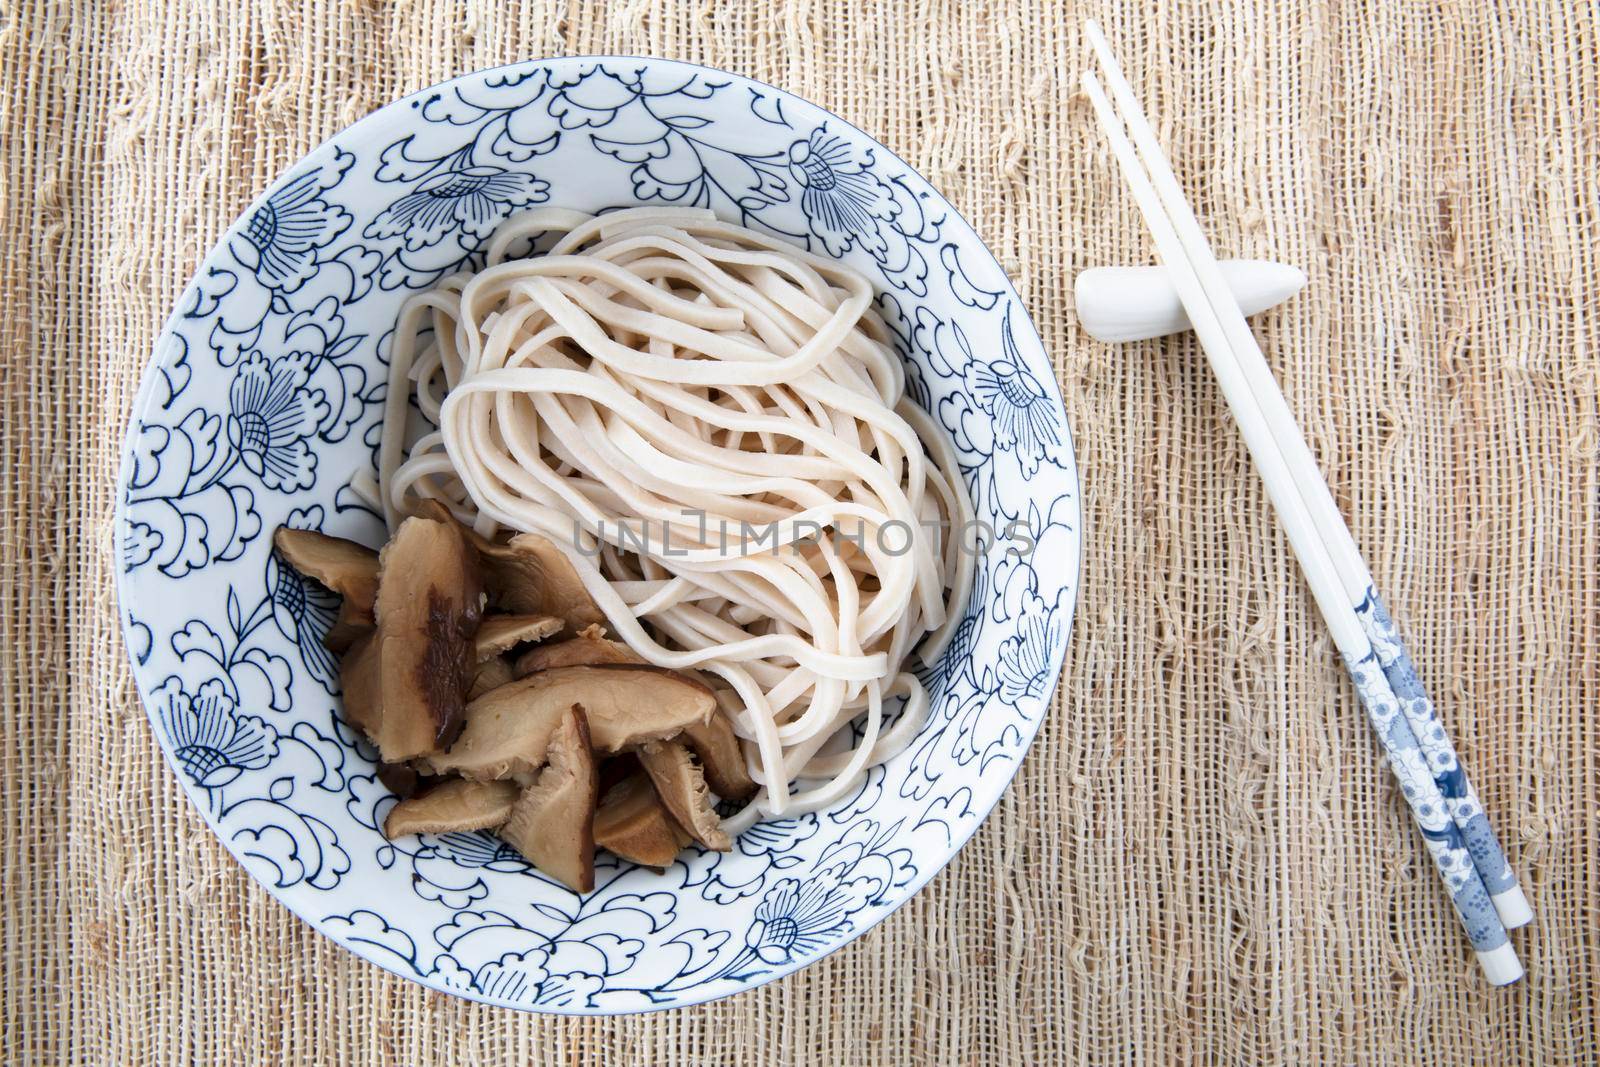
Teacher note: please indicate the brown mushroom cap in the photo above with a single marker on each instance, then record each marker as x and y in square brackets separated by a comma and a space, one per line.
[527, 575]
[362, 686]
[633, 823]
[349, 569]
[713, 741]
[401, 778]
[585, 650]
[682, 788]
[451, 806]
[721, 757]
[352, 622]
[530, 575]
[501, 632]
[428, 612]
[508, 729]
[552, 822]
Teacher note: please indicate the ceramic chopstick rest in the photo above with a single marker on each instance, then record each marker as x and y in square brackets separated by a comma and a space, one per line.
[1117, 304]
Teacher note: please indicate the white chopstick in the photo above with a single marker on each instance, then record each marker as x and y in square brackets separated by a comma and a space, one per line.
[1428, 806]
[1360, 588]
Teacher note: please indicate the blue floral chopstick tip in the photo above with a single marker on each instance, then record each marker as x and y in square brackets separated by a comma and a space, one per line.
[1465, 808]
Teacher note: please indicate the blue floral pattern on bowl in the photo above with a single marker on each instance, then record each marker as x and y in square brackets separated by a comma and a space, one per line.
[262, 403]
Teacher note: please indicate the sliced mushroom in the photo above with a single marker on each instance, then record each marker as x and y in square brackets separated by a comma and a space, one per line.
[527, 575]
[502, 632]
[682, 788]
[552, 823]
[352, 622]
[428, 611]
[361, 684]
[530, 575]
[492, 674]
[507, 733]
[452, 806]
[587, 649]
[349, 569]
[401, 778]
[721, 757]
[508, 729]
[633, 823]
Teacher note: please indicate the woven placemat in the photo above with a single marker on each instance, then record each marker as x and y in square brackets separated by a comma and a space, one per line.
[1201, 858]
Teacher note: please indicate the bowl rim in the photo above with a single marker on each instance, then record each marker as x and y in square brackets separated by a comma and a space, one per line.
[144, 396]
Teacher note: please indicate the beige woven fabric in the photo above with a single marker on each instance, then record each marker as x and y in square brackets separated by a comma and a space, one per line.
[1201, 859]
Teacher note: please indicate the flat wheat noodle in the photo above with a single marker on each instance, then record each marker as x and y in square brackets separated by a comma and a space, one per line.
[654, 366]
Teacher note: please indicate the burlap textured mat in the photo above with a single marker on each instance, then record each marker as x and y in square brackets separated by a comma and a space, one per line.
[1201, 859]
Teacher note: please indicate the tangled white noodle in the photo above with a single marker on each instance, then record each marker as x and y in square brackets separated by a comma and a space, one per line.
[713, 427]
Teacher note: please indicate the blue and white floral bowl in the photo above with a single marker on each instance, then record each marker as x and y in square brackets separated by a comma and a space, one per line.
[262, 402]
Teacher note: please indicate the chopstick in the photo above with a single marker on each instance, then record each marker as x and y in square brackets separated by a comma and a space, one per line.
[1228, 344]
[1360, 587]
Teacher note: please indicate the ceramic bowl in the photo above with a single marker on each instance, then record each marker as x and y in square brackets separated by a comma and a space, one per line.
[262, 403]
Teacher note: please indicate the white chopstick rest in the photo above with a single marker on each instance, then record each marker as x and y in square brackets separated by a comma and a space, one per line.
[1119, 304]
[1228, 344]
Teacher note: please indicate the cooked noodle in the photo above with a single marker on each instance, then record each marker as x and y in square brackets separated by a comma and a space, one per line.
[712, 426]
